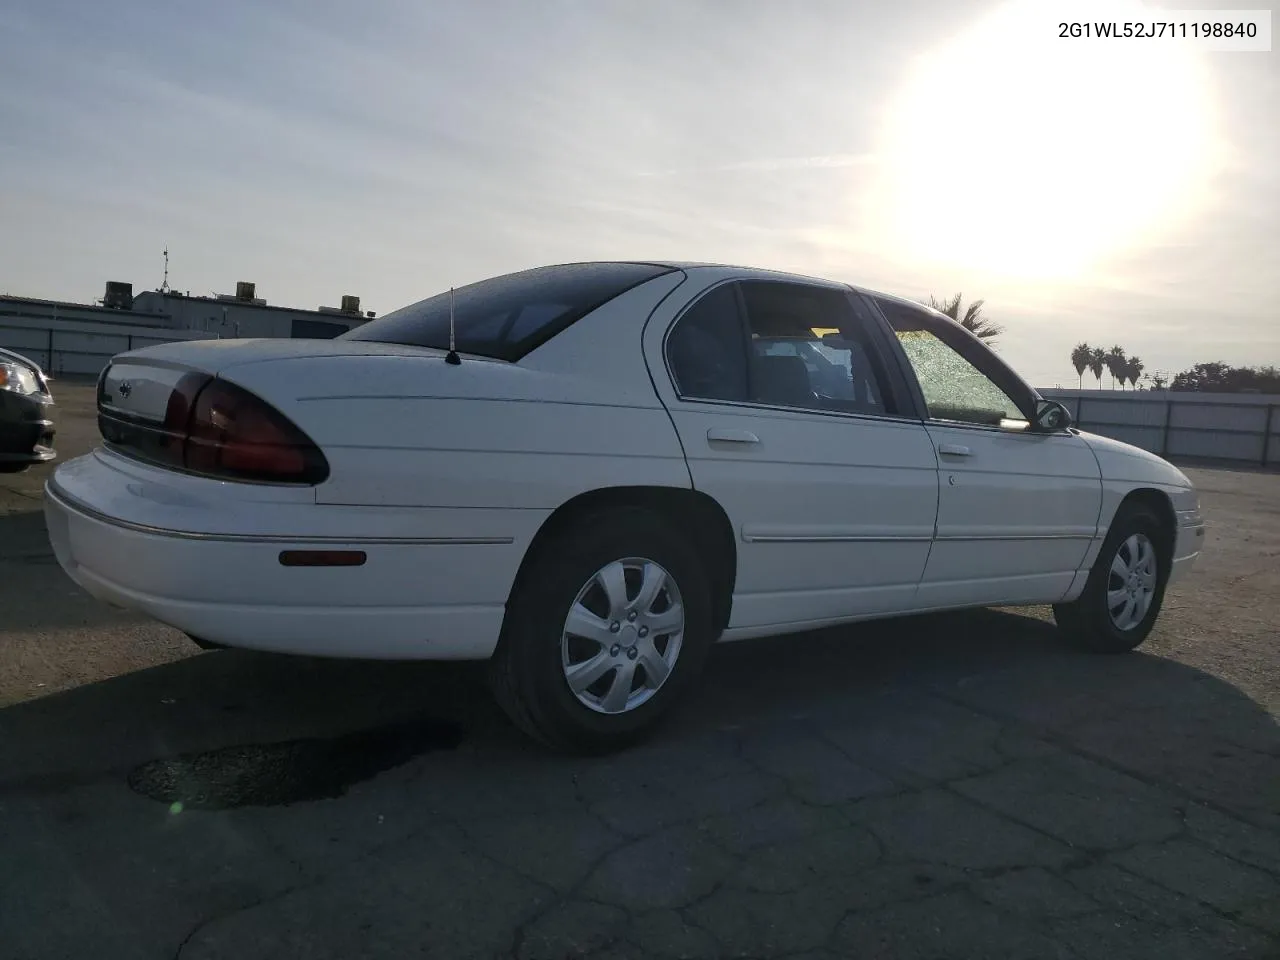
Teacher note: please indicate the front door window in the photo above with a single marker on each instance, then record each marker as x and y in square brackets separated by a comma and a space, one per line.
[955, 389]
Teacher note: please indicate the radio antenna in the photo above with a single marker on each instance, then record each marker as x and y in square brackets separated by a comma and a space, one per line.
[451, 357]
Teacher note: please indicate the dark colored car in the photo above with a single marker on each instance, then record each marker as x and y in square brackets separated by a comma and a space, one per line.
[26, 414]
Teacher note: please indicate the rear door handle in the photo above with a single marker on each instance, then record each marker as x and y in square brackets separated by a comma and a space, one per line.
[731, 436]
[954, 450]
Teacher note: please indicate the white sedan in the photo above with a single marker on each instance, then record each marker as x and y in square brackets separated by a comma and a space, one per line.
[621, 463]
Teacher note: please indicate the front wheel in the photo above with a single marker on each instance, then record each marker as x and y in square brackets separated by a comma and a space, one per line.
[607, 630]
[1125, 590]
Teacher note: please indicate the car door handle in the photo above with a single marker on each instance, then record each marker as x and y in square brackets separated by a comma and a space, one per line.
[954, 450]
[732, 436]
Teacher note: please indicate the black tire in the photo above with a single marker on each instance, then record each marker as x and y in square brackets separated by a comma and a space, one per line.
[1087, 621]
[527, 674]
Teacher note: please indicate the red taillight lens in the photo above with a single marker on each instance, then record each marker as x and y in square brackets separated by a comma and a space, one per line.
[217, 429]
[183, 398]
[232, 433]
[177, 414]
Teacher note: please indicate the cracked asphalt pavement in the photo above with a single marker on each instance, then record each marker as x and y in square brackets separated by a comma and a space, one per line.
[958, 786]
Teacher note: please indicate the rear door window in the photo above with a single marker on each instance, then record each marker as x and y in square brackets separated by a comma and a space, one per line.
[707, 350]
[810, 349]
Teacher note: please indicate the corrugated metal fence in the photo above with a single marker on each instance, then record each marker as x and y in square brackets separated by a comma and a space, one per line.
[1222, 426]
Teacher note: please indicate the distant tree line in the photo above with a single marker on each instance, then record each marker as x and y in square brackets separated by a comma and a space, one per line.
[1223, 378]
[1203, 377]
[1123, 369]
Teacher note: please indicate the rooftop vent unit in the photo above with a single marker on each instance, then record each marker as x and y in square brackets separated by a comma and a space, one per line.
[350, 307]
[244, 294]
[118, 295]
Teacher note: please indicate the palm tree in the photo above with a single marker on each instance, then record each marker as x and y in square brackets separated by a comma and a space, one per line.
[972, 319]
[1097, 360]
[1115, 363]
[1133, 370]
[1080, 357]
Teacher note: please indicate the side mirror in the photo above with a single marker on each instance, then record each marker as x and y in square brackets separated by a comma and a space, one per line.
[1051, 416]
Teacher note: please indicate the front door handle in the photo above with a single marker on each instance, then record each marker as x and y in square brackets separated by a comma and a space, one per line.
[723, 435]
[954, 450]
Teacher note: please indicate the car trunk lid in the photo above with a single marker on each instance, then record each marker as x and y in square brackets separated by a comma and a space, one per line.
[215, 356]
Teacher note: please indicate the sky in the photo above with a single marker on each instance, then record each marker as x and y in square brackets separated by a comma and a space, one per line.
[1115, 192]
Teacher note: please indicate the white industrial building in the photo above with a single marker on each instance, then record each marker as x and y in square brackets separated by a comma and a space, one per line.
[77, 339]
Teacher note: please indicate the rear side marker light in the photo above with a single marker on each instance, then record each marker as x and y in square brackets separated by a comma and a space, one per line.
[322, 558]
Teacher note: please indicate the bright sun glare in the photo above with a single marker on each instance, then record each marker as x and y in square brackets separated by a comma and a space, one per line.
[1013, 152]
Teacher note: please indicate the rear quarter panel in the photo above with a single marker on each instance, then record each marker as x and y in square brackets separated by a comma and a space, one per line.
[577, 414]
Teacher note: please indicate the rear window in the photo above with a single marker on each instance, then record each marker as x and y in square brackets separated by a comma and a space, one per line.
[508, 316]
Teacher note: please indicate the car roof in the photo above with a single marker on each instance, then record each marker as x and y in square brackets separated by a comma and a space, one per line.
[762, 273]
[737, 270]
[903, 301]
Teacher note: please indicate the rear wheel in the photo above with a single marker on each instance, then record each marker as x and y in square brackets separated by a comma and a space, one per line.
[1122, 598]
[608, 629]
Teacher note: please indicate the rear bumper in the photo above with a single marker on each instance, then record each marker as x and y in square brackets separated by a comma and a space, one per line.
[413, 598]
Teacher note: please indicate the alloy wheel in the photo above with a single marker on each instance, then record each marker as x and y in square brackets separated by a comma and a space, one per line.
[622, 636]
[1131, 581]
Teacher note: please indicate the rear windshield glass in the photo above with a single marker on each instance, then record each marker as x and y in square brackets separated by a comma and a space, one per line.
[506, 317]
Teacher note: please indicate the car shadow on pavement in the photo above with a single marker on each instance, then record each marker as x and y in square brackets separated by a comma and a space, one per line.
[1154, 716]
[959, 785]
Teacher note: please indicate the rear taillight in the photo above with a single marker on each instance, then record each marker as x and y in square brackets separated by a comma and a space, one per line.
[216, 429]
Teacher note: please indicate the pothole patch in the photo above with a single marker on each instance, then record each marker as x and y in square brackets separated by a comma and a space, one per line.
[292, 771]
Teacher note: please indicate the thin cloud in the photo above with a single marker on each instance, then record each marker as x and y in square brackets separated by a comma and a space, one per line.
[833, 161]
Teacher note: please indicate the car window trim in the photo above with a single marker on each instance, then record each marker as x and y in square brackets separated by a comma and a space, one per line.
[808, 411]
[744, 328]
[909, 406]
